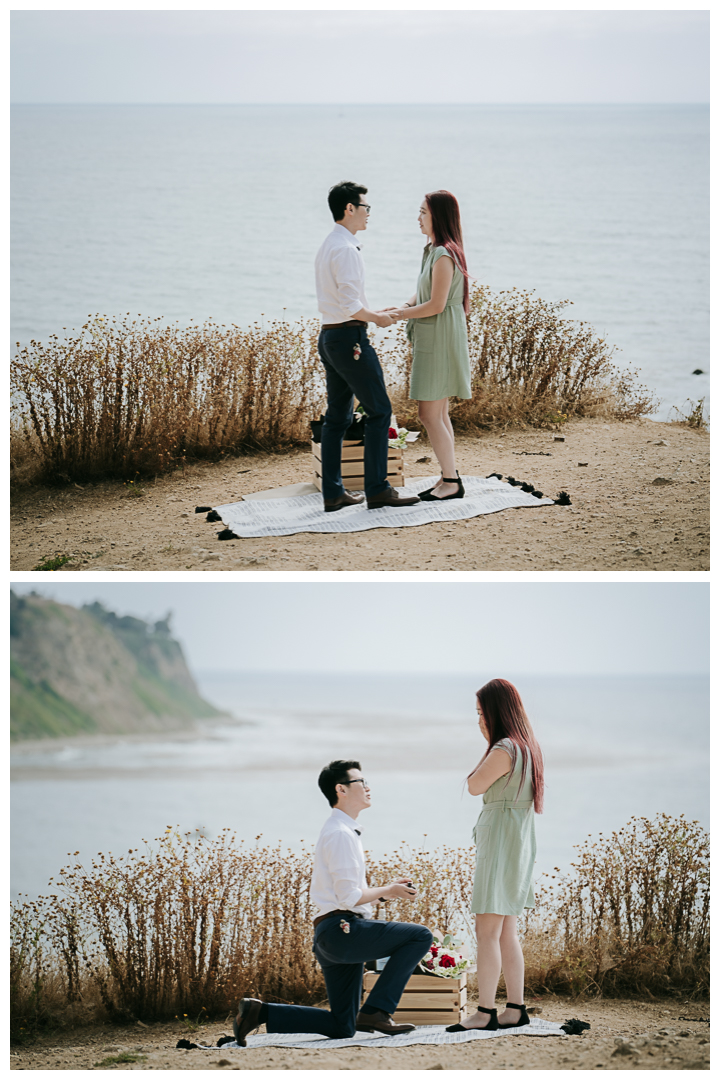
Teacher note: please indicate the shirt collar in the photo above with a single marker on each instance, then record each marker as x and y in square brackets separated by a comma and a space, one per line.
[342, 231]
[342, 816]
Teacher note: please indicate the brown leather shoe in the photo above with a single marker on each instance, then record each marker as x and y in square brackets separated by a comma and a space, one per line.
[391, 497]
[346, 499]
[246, 1019]
[382, 1022]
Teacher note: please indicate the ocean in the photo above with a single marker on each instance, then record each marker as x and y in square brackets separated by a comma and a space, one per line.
[615, 748]
[195, 212]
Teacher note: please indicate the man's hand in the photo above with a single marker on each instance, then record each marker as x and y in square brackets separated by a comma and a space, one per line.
[383, 320]
[400, 890]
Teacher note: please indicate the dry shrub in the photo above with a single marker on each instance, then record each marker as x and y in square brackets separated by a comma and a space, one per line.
[693, 414]
[530, 366]
[632, 917]
[193, 924]
[126, 399]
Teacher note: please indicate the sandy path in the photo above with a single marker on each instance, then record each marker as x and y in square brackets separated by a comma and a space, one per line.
[618, 521]
[658, 1038]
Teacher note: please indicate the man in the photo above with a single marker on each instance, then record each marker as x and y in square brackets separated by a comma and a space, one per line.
[345, 935]
[352, 368]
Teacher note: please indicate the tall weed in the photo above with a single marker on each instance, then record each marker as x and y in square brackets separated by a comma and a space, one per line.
[128, 398]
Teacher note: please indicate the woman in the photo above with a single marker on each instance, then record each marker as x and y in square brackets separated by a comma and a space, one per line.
[510, 778]
[438, 332]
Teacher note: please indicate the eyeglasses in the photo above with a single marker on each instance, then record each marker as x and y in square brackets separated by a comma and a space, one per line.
[360, 780]
[365, 205]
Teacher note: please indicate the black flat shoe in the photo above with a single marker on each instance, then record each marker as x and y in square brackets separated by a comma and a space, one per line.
[492, 1024]
[459, 494]
[524, 1018]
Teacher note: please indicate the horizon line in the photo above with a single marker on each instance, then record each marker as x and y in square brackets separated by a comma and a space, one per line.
[323, 672]
[378, 104]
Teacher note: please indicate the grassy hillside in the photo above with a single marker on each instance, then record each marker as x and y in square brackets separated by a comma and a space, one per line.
[77, 671]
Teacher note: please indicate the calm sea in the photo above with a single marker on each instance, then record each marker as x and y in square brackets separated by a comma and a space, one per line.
[615, 748]
[191, 212]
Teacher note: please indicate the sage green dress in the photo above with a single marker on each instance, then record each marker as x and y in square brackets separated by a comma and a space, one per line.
[505, 839]
[441, 361]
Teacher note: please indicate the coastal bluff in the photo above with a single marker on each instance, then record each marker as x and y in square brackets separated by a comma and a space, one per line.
[83, 671]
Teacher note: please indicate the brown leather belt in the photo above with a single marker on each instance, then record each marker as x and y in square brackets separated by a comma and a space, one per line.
[338, 911]
[337, 325]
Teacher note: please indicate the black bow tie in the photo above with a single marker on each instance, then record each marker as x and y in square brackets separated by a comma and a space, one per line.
[357, 831]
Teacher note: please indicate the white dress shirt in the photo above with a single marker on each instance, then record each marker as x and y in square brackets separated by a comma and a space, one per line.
[340, 277]
[338, 877]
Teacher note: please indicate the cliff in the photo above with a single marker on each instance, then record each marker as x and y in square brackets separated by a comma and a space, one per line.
[78, 671]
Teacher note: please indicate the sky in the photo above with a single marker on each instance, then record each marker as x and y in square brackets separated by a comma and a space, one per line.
[360, 56]
[532, 628]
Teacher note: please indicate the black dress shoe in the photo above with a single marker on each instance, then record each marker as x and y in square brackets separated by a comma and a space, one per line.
[246, 1019]
[382, 1022]
[391, 497]
[427, 496]
[346, 499]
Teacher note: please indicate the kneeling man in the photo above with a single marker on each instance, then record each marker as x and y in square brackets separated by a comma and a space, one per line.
[345, 934]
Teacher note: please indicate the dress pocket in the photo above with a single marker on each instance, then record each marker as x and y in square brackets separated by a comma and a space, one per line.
[423, 336]
[481, 836]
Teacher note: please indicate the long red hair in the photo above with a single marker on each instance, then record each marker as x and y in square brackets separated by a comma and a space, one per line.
[447, 231]
[505, 718]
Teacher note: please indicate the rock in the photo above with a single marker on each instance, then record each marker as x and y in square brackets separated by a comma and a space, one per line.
[661, 481]
[211, 558]
[558, 438]
[623, 1049]
[423, 460]
[223, 1061]
[661, 442]
[582, 464]
[698, 371]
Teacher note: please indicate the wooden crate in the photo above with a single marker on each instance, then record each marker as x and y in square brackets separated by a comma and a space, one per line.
[427, 1000]
[352, 468]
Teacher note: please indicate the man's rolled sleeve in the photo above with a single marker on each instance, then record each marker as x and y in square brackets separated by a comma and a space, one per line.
[346, 887]
[348, 273]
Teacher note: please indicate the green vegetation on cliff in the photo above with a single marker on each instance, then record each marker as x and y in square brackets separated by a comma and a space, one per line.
[77, 671]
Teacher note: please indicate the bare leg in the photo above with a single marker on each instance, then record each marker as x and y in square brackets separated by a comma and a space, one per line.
[513, 968]
[435, 417]
[488, 929]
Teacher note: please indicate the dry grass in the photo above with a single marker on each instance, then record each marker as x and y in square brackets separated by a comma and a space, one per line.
[632, 917]
[126, 399]
[187, 926]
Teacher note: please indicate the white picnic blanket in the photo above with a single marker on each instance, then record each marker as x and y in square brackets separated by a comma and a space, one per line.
[305, 513]
[434, 1034]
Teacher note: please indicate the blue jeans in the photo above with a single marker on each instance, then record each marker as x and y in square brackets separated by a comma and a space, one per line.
[347, 379]
[341, 957]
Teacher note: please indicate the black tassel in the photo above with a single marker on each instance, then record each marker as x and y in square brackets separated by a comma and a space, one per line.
[513, 481]
[213, 516]
[528, 488]
[497, 474]
[575, 1027]
[563, 499]
[183, 1044]
[225, 1039]
[202, 509]
[538, 494]
[228, 534]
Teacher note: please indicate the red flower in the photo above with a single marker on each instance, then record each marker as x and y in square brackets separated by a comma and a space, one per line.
[434, 949]
[447, 961]
[392, 433]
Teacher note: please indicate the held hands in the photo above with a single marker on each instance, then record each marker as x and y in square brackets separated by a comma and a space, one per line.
[383, 319]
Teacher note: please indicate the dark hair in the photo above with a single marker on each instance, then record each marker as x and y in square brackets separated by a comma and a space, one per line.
[505, 718]
[342, 194]
[447, 231]
[335, 773]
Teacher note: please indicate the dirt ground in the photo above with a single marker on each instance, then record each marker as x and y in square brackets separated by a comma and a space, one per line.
[620, 517]
[622, 1035]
